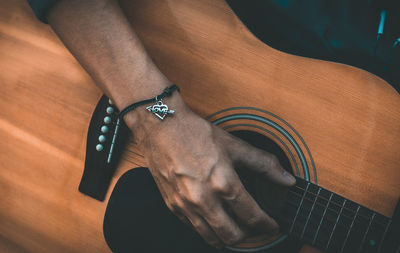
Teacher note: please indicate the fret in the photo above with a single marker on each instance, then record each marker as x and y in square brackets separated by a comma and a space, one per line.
[316, 215]
[285, 216]
[309, 215]
[299, 208]
[351, 227]
[290, 207]
[365, 235]
[322, 218]
[342, 227]
[330, 222]
[384, 235]
[334, 226]
[331, 226]
[304, 213]
[375, 234]
[358, 229]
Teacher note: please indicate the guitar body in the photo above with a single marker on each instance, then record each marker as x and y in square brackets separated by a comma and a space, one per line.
[348, 119]
[339, 126]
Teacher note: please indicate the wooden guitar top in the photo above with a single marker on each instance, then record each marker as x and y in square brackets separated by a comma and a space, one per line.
[348, 118]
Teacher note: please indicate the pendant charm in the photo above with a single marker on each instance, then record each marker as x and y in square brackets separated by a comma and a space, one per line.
[160, 110]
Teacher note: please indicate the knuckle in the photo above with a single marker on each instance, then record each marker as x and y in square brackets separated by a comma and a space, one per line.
[221, 186]
[194, 198]
[212, 160]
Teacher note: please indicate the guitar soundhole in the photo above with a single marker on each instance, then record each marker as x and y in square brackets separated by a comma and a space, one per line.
[263, 142]
[257, 186]
[266, 194]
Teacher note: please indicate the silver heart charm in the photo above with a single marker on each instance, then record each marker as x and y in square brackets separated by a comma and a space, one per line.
[160, 110]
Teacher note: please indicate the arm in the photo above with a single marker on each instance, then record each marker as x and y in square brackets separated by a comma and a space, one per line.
[191, 161]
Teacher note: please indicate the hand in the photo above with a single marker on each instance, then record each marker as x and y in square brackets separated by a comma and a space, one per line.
[193, 163]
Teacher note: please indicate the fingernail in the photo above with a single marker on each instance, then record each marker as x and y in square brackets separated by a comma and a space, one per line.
[289, 176]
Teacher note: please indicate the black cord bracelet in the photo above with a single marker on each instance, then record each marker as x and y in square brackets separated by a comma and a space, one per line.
[159, 109]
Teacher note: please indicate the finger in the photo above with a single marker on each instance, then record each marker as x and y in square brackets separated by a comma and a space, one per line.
[249, 212]
[261, 162]
[204, 230]
[184, 219]
[223, 225]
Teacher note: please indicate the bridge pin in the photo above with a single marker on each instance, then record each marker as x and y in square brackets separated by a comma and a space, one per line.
[104, 129]
[109, 110]
[99, 147]
[102, 138]
[107, 119]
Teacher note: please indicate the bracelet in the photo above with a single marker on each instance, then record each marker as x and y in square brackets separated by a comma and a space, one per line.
[159, 109]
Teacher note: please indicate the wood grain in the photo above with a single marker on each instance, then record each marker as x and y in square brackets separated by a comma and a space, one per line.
[348, 117]
[46, 101]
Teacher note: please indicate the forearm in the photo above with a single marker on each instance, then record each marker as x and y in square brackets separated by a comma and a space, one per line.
[99, 36]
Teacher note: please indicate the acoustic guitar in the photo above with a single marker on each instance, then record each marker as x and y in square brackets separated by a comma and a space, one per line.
[338, 127]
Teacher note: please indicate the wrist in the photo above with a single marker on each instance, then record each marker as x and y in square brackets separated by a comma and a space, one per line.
[143, 122]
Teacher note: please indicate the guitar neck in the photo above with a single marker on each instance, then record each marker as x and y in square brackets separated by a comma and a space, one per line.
[331, 222]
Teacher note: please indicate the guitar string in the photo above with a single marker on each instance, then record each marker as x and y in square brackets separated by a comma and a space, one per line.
[321, 198]
[337, 223]
[338, 205]
[320, 218]
[333, 210]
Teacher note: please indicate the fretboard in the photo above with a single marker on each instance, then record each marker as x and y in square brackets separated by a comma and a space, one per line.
[331, 222]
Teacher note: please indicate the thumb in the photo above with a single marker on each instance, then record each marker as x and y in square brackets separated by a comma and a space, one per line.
[261, 162]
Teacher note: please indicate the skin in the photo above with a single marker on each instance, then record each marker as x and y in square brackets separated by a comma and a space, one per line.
[191, 160]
